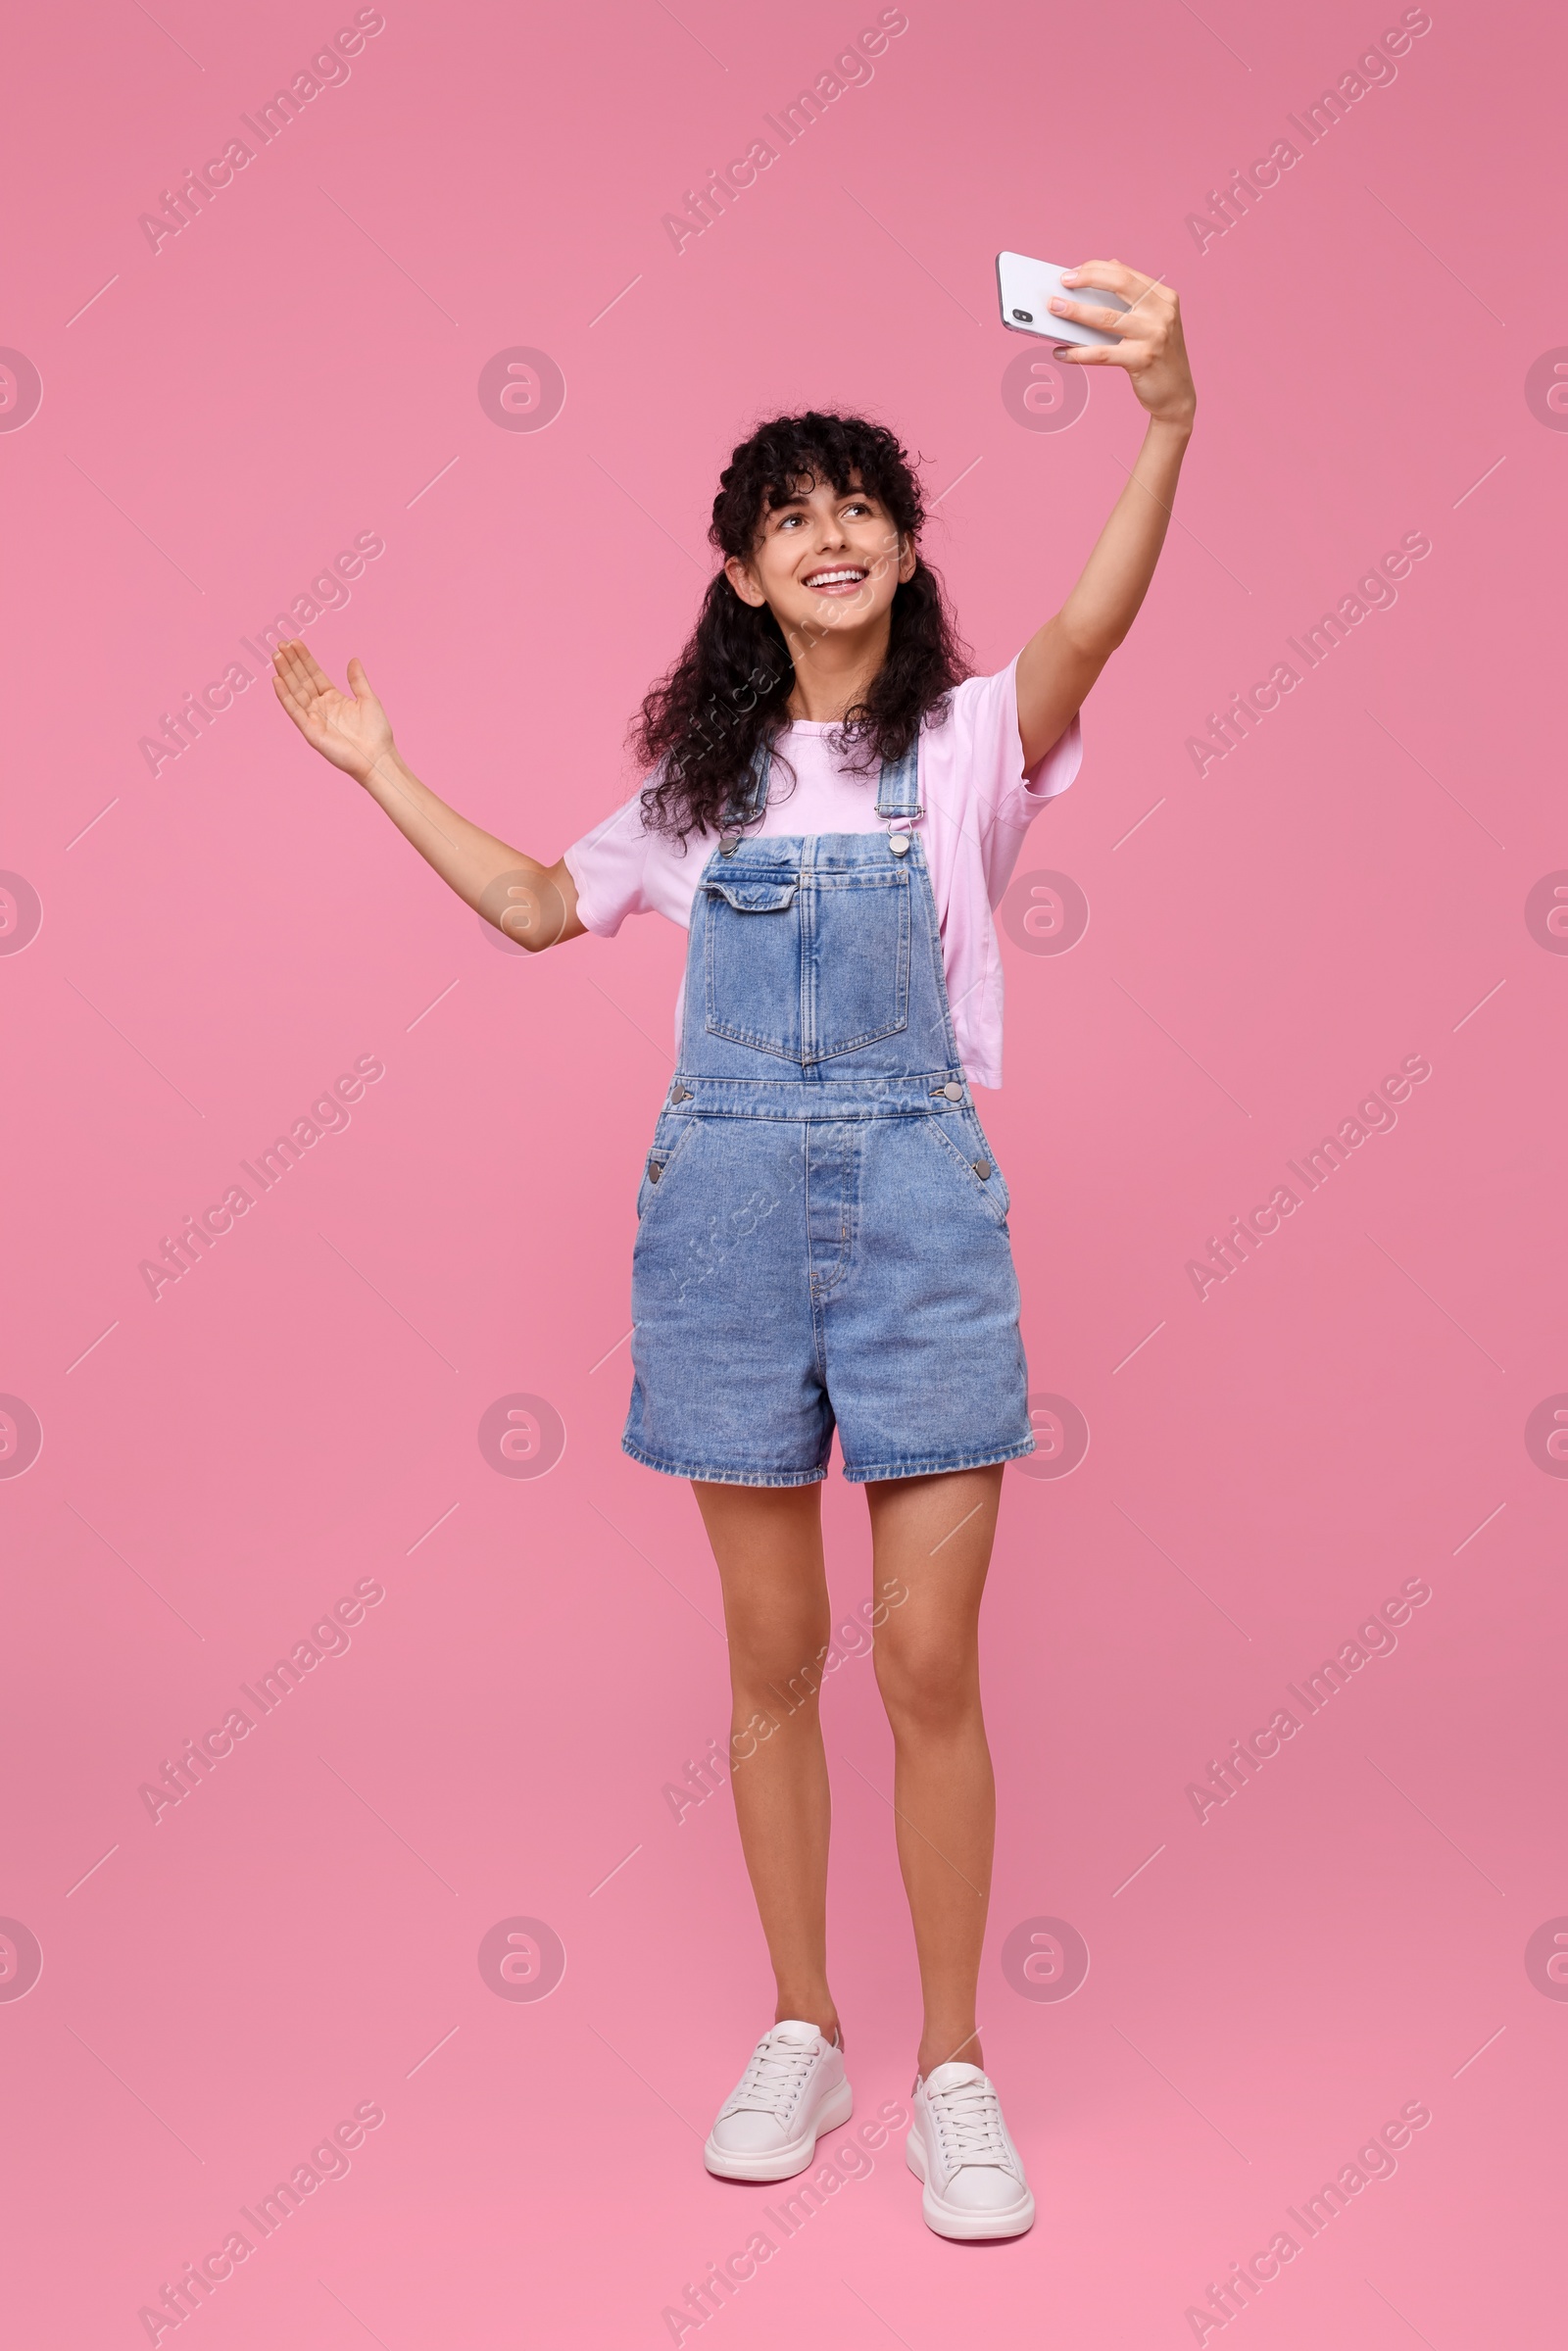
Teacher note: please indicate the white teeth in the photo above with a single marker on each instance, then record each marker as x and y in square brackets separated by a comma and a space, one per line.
[830, 579]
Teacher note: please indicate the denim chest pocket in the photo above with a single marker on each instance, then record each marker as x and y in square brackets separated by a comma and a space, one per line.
[807, 972]
[751, 954]
[858, 972]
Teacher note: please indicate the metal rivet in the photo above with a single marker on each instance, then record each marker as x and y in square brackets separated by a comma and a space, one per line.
[655, 1168]
[982, 1168]
[680, 1094]
[953, 1093]
[727, 848]
[898, 842]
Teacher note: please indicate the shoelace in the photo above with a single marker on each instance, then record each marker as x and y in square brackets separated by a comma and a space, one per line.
[773, 2080]
[968, 2120]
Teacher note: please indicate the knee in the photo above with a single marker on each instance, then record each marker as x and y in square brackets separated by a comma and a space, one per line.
[767, 1670]
[925, 1685]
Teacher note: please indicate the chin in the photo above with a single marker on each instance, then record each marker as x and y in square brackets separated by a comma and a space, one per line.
[831, 611]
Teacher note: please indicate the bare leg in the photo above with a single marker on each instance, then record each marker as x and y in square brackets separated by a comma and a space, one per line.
[933, 1536]
[767, 1541]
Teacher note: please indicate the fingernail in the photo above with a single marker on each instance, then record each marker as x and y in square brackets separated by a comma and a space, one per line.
[1057, 303]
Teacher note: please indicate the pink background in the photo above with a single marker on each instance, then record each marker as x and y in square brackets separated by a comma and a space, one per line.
[218, 942]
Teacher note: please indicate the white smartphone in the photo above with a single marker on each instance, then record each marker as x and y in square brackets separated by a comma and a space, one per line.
[1025, 289]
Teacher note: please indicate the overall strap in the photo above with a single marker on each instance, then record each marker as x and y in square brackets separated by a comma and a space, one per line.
[898, 793]
[749, 797]
[898, 790]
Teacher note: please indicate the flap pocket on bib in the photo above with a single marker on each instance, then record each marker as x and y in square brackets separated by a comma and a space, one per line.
[755, 897]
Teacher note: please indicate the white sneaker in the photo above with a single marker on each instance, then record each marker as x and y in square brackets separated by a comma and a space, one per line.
[793, 2089]
[958, 2146]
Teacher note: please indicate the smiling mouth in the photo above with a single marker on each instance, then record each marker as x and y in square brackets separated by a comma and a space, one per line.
[840, 581]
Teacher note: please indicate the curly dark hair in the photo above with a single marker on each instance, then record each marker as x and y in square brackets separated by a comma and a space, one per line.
[728, 689]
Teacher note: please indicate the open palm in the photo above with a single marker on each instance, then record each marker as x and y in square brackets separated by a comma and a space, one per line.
[350, 729]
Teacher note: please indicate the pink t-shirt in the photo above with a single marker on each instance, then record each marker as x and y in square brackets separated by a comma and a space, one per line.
[979, 803]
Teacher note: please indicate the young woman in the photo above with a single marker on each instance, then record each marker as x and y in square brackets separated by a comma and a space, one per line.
[834, 808]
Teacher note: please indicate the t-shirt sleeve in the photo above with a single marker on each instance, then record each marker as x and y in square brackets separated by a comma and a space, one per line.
[1003, 785]
[1002, 797]
[610, 866]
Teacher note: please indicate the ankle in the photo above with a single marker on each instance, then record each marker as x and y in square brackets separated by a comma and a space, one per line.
[946, 2048]
[818, 2012]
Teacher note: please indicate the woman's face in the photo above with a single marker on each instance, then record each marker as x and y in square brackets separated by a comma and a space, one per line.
[828, 561]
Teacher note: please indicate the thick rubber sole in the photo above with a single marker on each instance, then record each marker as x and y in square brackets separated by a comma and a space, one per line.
[951, 2220]
[782, 2163]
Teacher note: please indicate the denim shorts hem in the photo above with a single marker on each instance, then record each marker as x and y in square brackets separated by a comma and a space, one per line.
[706, 1475]
[938, 1465]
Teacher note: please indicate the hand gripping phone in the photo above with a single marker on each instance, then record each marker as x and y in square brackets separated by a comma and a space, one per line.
[1024, 289]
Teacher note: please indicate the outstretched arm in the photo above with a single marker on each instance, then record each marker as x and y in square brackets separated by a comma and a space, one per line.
[533, 904]
[1062, 661]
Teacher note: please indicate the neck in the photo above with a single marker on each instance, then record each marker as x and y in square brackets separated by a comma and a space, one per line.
[834, 668]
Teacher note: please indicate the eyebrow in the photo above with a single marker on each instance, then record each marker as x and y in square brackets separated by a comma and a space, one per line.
[804, 498]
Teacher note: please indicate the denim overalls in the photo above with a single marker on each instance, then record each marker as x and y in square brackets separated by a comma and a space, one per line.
[822, 1234]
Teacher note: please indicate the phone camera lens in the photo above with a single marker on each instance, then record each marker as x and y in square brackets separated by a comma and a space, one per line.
[1024, 318]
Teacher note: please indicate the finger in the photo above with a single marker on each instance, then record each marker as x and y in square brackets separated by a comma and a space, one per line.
[359, 685]
[1150, 295]
[1115, 275]
[300, 706]
[1156, 305]
[1089, 313]
[302, 668]
[296, 689]
[1097, 354]
[287, 664]
[297, 709]
[310, 667]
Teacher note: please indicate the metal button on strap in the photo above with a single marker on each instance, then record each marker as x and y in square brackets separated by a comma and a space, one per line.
[655, 1168]
[982, 1168]
[728, 847]
[898, 842]
[953, 1091]
[680, 1094]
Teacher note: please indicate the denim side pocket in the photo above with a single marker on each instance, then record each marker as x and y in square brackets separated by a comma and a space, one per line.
[964, 1149]
[670, 1135]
